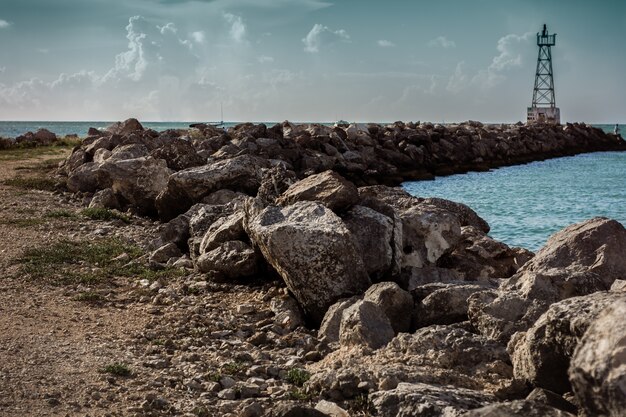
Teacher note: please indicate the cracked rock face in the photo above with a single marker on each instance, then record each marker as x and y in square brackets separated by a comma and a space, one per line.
[313, 251]
[598, 367]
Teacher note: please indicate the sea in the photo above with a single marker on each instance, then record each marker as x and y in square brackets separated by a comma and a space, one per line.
[523, 204]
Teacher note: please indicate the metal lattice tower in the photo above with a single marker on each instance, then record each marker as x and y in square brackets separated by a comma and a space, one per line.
[543, 109]
[543, 94]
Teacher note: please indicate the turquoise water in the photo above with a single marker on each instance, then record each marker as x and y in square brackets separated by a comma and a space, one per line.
[525, 204]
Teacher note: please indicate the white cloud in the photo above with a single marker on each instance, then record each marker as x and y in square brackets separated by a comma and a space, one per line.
[385, 44]
[2, 69]
[237, 27]
[442, 42]
[4, 24]
[458, 80]
[265, 59]
[199, 36]
[320, 35]
[513, 49]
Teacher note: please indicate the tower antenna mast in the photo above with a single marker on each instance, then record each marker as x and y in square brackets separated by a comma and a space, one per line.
[543, 108]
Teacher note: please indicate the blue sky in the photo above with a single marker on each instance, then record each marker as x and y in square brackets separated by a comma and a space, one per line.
[306, 60]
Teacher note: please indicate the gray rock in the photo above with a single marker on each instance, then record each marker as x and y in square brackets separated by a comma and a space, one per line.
[234, 259]
[329, 329]
[312, 250]
[374, 234]
[104, 199]
[164, 253]
[365, 324]
[466, 216]
[580, 259]
[396, 303]
[423, 400]
[552, 399]
[542, 355]
[222, 230]
[125, 127]
[598, 367]
[328, 188]
[189, 186]
[446, 304]
[519, 408]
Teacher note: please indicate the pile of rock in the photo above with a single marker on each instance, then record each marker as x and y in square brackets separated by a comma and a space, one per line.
[423, 313]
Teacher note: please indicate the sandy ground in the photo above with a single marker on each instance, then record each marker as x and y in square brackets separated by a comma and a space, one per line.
[52, 348]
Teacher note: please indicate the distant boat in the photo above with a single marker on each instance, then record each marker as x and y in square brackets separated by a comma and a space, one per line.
[221, 122]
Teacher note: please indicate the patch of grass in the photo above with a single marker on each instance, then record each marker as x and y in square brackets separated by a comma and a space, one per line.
[32, 183]
[297, 376]
[20, 153]
[98, 213]
[232, 368]
[60, 214]
[22, 223]
[89, 297]
[117, 369]
[362, 405]
[214, 376]
[300, 395]
[91, 262]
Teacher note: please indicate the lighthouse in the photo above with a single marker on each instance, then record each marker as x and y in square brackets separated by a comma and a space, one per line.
[543, 108]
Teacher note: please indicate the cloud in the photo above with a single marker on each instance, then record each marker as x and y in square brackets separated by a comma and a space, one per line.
[458, 80]
[441, 42]
[2, 69]
[513, 53]
[237, 27]
[321, 35]
[385, 44]
[4, 24]
[265, 59]
[198, 37]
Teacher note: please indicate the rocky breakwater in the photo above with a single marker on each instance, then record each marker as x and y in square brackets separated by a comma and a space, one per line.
[419, 312]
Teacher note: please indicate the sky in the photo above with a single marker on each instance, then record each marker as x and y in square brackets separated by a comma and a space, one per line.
[306, 60]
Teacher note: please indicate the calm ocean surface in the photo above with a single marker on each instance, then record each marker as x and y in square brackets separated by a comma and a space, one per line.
[524, 204]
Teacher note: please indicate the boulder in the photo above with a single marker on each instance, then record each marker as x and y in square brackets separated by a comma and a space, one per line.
[423, 400]
[428, 233]
[124, 152]
[365, 324]
[466, 216]
[275, 182]
[328, 188]
[396, 303]
[125, 127]
[234, 259]
[179, 154]
[87, 177]
[518, 408]
[138, 181]
[374, 234]
[312, 250]
[547, 397]
[165, 253]
[329, 329]
[479, 257]
[104, 199]
[44, 137]
[541, 355]
[189, 186]
[222, 230]
[580, 259]
[597, 369]
[446, 304]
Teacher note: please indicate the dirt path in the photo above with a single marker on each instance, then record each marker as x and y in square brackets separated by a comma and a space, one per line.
[52, 347]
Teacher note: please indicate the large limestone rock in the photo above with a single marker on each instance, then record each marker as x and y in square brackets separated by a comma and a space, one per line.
[179, 154]
[423, 400]
[234, 259]
[374, 234]
[365, 324]
[479, 257]
[445, 304]
[312, 250]
[329, 329]
[189, 186]
[541, 356]
[598, 368]
[467, 216]
[125, 127]
[222, 230]
[519, 408]
[396, 303]
[329, 188]
[138, 181]
[580, 259]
